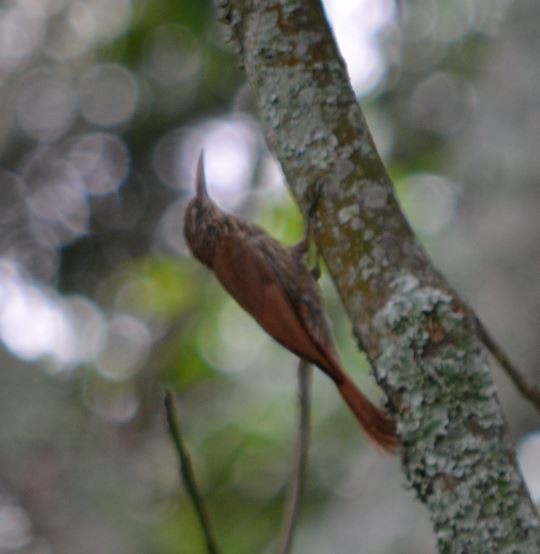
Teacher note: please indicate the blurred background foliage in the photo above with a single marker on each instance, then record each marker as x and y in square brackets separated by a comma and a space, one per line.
[104, 109]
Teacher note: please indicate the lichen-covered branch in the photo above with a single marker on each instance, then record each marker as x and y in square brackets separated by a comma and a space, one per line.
[419, 336]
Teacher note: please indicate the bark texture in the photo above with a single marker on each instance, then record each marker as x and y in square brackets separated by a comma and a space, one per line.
[419, 336]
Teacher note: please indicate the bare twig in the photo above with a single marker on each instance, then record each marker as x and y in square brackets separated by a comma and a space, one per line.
[298, 478]
[528, 390]
[187, 473]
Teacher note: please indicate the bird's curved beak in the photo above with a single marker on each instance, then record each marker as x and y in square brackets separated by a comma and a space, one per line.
[200, 178]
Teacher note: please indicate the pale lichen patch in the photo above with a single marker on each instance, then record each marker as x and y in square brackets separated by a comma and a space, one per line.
[375, 196]
[356, 224]
[347, 213]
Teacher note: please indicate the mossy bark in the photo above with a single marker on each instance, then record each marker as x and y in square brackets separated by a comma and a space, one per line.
[419, 336]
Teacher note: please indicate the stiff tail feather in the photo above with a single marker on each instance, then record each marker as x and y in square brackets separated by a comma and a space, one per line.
[378, 425]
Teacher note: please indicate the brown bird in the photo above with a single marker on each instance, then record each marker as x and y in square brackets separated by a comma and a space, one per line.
[273, 284]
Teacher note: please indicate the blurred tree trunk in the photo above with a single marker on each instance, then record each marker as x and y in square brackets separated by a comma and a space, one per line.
[420, 337]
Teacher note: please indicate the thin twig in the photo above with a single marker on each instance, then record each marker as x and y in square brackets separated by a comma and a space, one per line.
[187, 473]
[528, 390]
[298, 478]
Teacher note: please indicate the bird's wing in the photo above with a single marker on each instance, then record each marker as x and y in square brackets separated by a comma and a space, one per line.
[251, 281]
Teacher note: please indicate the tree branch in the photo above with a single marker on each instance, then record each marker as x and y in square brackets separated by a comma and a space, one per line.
[298, 477]
[527, 389]
[187, 473]
[419, 336]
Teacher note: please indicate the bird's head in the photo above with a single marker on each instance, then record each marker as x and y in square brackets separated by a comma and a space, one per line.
[201, 219]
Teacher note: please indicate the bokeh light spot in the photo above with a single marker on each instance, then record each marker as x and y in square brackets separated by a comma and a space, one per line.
[230, 146]
[126, 349]
[100, 20]
[430, 200]
[21, 32]
[102, 160]
[115, 402]
[169, 45]
[35, 322]
[46, 106]
[529, 460]
[356, 24]
[32, 323]
[89, 327]
[442, 103]
[15, 526]
[55, 197]
[109, 94]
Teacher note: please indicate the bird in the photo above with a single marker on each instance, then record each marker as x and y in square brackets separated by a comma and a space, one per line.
[272, 283]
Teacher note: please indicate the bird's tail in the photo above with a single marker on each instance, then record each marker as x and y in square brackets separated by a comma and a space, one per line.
[378, 425]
